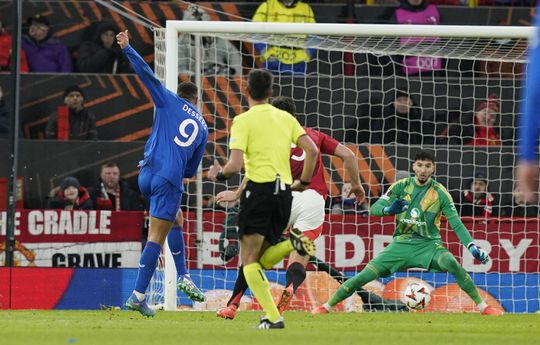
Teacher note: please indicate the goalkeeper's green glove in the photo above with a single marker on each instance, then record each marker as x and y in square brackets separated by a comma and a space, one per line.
[479, 254]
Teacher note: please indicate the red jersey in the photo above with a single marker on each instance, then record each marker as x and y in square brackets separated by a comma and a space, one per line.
[5, 54]
[326, 144]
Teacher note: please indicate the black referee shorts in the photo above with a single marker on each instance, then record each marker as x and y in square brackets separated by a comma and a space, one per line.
[264, 209]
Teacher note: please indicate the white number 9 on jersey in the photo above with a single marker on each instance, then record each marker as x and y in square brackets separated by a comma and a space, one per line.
[189, 138]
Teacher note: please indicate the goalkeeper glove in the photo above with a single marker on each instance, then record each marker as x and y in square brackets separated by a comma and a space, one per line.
[479, 254]
[398, 206]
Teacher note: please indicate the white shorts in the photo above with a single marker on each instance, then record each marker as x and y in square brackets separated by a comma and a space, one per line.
[307, 211]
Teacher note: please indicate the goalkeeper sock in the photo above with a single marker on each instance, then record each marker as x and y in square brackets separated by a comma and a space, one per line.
[296, 274]
[175, 239]
[240, 287]
[258, 284]
[448, 263]
[147, 265]
[274, 254]
[482, 306]
[351, 285]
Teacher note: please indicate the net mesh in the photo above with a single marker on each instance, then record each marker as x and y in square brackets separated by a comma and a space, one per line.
[385, 98]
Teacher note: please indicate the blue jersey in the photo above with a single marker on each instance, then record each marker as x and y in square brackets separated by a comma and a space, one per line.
[530, 112]
[179, 132]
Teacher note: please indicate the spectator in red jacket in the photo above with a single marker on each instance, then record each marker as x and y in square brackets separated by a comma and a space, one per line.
[485, 118]
[5, 51]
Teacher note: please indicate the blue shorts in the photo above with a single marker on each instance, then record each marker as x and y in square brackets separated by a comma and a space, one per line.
[165, 198]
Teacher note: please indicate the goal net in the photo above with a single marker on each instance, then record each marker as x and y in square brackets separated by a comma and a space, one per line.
[386, 91]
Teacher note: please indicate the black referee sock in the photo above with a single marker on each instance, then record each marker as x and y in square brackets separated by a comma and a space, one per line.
[296, 274]
[240, 287]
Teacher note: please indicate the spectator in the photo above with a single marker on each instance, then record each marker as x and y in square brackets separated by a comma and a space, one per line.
[5, 125]
[482, 133]
[396, 118]
[5, 51]
[72, 121]
[70, 196]
[418, 12]
[102, 54]
[112, 193]
[402, 121]
[498, 49]
[284, 59]
[401, 174]
[519, 207]
[45, 53]
[4, 116]
[485, 117]
[475, 201]
[499, 69]
[219, 56]
[345, 204]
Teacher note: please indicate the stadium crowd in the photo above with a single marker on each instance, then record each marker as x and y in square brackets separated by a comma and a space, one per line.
[397, 116]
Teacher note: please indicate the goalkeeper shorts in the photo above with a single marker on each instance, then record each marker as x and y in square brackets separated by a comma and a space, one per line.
[400, 256]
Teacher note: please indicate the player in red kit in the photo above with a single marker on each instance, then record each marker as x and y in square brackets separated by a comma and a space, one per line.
[307, 211]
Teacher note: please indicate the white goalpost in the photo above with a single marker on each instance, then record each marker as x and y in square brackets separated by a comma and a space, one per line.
[477, 63]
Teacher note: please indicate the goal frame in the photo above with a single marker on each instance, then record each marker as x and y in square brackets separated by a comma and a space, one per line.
[199, 28]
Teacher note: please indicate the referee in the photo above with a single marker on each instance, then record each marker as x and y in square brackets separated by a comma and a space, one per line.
[261, 139]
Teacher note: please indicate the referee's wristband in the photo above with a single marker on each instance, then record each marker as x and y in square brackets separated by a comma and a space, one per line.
[304, 183]
[221, 176]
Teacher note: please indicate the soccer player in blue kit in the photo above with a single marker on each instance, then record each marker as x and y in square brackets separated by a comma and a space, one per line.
[173, 152]
[529, 123]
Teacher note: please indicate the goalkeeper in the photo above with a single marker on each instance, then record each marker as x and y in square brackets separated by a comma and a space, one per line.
[418, 203]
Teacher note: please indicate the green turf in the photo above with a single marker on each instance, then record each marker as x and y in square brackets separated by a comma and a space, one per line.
[201, 328]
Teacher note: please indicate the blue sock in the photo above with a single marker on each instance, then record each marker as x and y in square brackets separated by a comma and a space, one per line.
[147, 266]
[175, 238]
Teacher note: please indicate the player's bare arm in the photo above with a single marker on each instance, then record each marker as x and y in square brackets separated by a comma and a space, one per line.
[351, 165]
[311, 151]
[527, 181]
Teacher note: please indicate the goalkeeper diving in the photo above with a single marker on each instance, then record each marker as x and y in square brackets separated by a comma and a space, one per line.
[418, 203]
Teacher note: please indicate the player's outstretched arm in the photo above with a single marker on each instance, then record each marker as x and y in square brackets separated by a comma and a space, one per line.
[529, 123]
[449, 210]
[154, 86]
[530, 119]
[351, 165]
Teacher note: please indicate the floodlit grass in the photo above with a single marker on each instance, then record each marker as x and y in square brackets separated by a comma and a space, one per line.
[201, 328]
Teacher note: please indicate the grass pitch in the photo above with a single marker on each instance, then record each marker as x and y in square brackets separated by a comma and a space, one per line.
[202, 328]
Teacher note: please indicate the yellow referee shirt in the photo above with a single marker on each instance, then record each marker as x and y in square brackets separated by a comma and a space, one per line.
[265, 133]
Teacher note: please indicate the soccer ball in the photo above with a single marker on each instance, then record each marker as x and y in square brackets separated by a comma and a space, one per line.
[416, 296]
